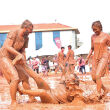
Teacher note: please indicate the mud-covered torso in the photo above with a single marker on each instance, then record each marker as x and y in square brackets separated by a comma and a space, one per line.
[18, 44]
[70, 56]
[60, 57]
[100, 45]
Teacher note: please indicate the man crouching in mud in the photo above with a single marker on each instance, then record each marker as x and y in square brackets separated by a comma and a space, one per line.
[13, 62]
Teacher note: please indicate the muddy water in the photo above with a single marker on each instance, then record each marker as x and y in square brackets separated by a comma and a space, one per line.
[89, 87]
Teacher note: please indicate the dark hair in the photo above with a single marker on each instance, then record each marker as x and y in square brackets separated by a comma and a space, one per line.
[62, 47]
[26, 24]
[80, 61]
[70, 46]
[98, 24]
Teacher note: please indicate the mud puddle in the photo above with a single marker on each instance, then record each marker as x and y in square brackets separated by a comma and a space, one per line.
[89, 87]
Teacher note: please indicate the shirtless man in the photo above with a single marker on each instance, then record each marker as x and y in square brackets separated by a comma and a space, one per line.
[70, 60]
[13, 63]
[61, 62]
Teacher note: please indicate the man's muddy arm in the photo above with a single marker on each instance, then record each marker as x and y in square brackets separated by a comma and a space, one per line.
[24, 54]
[108, 40]
[90, 53]
[67, 56]
[9, 43]
[12, 50]
[8, 46]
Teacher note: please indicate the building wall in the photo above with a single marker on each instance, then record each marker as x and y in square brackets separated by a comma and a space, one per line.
[66, 37]
[31, 43]
[47, 39]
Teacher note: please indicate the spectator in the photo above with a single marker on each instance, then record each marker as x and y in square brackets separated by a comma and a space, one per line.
[35, 64]
[82, 65]
[29, 62]
[44, 67]
[37, 69]
[47, 63]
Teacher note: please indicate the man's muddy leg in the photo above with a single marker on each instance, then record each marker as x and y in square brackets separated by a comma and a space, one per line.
[43, 94]
[9, 70]
[99, 71]
[71, 66]
[25, 81]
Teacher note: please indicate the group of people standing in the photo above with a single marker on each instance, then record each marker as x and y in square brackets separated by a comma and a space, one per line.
[39, 66]
[64, 61]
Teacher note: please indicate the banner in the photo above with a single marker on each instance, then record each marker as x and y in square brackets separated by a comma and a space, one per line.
[38, 40]
[56, 38]
[58, 42]
[2, 38]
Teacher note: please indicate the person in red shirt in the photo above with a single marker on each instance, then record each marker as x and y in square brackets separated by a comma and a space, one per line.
[82, 65]
[35, 64]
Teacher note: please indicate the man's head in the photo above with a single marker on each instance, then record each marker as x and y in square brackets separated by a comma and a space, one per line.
[28, 26]
[69, 47]
[62, 49]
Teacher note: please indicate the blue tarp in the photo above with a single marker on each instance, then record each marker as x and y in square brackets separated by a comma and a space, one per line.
[56, 34]
[2, 39]
[38, 40]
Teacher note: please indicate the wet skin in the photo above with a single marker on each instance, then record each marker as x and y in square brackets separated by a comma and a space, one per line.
[71, 61]
[99, 45]
[61, 62]
[13, 62]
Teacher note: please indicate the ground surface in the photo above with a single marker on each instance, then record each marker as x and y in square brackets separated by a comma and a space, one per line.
[53, 80]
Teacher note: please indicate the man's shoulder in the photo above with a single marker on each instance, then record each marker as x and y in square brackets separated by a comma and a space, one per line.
[12, 34]
[106, 34]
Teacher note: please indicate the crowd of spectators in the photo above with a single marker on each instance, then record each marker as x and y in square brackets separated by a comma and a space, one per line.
[39, 65]
[44, 65]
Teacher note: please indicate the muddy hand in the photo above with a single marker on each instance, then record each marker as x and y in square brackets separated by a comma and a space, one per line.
[17, 58]
[86, 61]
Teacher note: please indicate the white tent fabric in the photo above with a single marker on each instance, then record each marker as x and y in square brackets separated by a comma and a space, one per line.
[31, 53]
[84, 49]
[50, 50]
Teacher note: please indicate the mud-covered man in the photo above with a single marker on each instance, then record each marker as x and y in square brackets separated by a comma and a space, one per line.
[13, 61]
[70, 60]
[61, 63]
